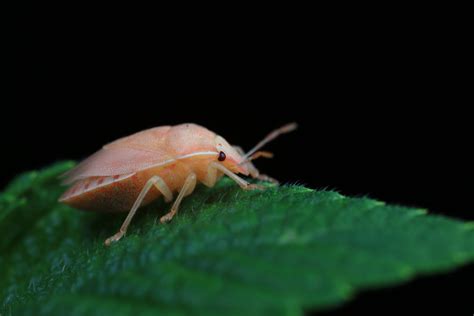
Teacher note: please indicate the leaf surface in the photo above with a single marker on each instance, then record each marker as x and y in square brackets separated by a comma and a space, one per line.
[280, 251]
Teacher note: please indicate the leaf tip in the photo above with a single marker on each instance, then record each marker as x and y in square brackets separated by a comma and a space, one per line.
[469, 225]
[419, 212]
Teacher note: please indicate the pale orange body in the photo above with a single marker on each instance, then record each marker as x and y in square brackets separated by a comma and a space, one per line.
[120, 194]
[106, 183]
[135, 170]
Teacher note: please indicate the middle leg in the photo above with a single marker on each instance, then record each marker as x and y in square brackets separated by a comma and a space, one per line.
[188, 188]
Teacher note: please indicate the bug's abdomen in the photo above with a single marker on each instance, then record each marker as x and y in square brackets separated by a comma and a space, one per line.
[106, 194]
[118, 193]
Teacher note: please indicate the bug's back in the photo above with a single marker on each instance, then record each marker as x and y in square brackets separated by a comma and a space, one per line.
[112, 178]
[135, 170]
[124, 156]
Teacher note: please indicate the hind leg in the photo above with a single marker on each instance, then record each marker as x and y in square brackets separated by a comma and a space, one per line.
[156, 181]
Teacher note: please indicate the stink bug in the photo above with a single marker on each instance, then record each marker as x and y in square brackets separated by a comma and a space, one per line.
[120, 176]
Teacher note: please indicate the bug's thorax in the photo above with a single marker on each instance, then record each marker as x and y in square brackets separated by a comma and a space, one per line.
[203, 148]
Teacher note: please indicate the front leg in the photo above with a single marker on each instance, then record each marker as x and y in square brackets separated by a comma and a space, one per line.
[211, 177]
[254, 172]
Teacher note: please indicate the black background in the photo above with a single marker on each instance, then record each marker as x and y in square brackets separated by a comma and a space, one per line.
[381, 109]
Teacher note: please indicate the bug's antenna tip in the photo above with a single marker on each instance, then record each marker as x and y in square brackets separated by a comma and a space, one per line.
[289, 127]
[282, 130]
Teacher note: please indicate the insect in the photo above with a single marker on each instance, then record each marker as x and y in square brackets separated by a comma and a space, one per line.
[135, 170]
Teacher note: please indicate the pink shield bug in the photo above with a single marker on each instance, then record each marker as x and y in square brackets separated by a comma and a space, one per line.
[120, 176]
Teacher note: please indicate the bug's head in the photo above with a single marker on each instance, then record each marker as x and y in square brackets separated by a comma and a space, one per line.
[229, 156]
[238, 161]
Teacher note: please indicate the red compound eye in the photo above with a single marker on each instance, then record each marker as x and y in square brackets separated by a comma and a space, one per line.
[221, 156]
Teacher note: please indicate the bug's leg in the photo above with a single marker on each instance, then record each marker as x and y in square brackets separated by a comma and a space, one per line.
[214, 166]
[264, 177]
[153, 181]
[188, 188]
[254, 173]
[161, 186]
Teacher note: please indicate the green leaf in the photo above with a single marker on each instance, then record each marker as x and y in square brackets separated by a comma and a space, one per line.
[277, 251]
